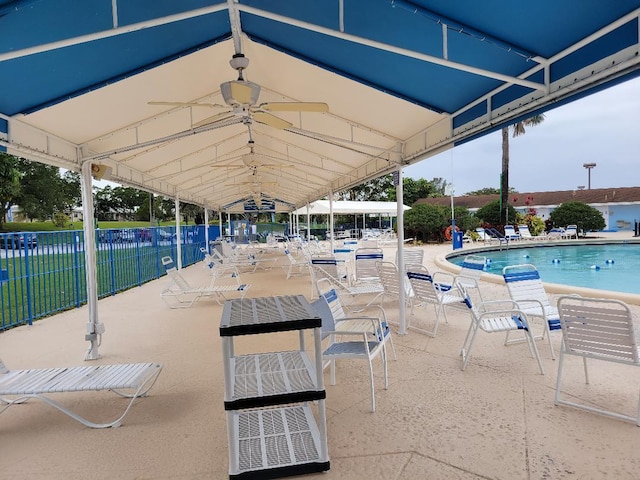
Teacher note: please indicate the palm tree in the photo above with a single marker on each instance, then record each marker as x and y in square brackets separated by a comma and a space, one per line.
[518, 129]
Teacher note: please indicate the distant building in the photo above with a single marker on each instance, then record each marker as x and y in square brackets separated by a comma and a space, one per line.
[620, 207]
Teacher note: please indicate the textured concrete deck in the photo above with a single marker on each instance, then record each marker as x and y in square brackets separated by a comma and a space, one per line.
[494, 420]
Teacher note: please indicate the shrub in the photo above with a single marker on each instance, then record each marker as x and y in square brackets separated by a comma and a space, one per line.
[60, 219]
[584, 216]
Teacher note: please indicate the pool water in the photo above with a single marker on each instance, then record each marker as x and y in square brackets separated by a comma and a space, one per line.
[613, 267]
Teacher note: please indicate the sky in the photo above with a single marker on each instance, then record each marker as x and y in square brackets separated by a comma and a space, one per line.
[603, 128]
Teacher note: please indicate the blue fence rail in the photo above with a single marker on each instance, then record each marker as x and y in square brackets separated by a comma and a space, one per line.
[42, 273]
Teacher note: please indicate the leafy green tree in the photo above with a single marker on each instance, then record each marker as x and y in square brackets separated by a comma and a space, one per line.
[577, 213]
[71, 189]
[42, 190]
[490, 213]
[413, 190]
[517, 129]
[483, 191]
[379, 189]
[428, 222]
[9, 184]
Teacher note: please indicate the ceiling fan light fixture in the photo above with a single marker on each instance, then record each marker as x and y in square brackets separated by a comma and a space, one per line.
[239, 61]
[240, 92]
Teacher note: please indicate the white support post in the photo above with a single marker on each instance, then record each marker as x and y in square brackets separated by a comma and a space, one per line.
[331, 220]
[206, 228]
[95, 329]
[178, 236]
[400, 223]
[308, 223]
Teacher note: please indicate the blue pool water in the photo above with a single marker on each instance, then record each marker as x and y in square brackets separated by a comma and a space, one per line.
[603, 266]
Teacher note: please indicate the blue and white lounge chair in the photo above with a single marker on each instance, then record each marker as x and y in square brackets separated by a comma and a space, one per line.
[496, 317]
[357, 338]
[526, 289]
[427, 289]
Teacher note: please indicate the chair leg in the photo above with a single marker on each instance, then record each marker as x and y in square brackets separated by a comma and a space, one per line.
[373, 395]
[532, 345]
[556, 398]
[586, 372]
[466, 349]
[332, 371]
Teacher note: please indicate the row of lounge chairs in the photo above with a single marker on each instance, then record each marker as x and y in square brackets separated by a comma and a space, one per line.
[491, 235]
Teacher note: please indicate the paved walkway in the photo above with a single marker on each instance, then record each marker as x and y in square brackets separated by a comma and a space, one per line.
[495, 420]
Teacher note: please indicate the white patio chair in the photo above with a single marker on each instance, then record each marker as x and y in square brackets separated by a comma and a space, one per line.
[471, 270]
[496, 317]
[295, 266]
[365, 265]
[427, 290]
[411, 256]
[352, 344]
[179, 294]
[342, 311]
[216, 266]
[571, 232]
[388, 273]
[596, 329]
[526, 289]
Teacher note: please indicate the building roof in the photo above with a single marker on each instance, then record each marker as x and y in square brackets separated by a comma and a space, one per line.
[594, 196]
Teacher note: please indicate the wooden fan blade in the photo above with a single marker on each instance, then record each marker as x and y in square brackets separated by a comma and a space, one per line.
[276, 165]
[188, 104]
[295, 107]
[271, 120]
[215, 118]
[257, 184]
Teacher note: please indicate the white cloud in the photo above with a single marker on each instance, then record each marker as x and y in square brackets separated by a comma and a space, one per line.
[602, 128]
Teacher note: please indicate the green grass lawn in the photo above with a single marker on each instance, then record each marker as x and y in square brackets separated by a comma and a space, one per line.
[49, 226]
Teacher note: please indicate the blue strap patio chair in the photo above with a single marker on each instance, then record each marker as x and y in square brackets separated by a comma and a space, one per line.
[496, 317]
[527, 290]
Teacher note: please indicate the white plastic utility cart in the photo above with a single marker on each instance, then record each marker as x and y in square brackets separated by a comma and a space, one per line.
[275, 402]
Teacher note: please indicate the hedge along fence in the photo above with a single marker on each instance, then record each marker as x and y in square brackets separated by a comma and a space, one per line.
[44, 272]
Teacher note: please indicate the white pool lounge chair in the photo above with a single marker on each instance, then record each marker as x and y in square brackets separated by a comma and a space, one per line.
[510, 233]
[525, 234]
[179, 294]
[131, 380]
[596, 329]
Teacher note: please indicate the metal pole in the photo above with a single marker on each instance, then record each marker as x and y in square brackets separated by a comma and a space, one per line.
[95, 329]
[401, 274]
[178, 236]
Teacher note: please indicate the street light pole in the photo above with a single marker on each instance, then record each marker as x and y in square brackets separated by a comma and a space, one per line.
[589, 166]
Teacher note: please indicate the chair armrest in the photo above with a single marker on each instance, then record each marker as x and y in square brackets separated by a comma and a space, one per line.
[486, 307]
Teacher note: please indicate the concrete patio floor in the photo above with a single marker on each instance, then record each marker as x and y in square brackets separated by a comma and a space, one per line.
[495, 420]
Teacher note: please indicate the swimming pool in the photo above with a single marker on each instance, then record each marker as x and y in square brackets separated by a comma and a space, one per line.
[603, 266]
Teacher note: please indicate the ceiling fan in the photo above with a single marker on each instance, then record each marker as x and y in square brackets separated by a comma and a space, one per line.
[254, 161]
[256, 183]
[242, 96]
